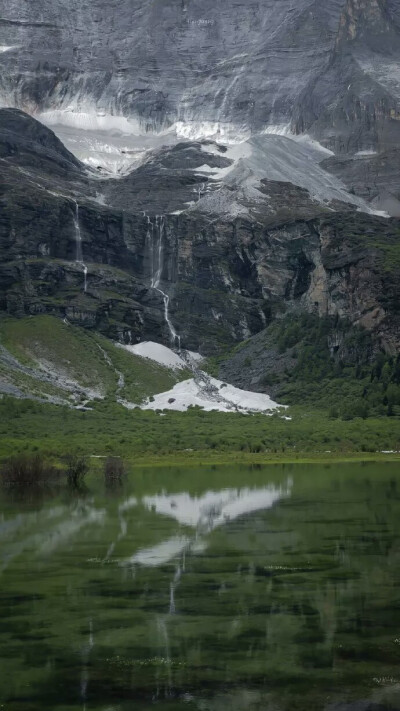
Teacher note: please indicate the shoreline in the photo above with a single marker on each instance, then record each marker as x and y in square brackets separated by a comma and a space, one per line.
[198, 458]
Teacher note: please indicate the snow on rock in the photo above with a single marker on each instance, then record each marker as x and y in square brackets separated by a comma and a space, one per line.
[210, 394]
[90, 120]
[156, 352]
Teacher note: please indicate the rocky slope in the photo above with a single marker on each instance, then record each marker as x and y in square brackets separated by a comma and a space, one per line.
[105, 74]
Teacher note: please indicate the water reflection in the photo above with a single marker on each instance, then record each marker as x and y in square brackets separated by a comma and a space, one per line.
[204, 513]
[215, 508]
[161, 553]
[71, 520]
[275, 594]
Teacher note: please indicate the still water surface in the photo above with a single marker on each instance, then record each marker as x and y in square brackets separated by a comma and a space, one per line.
[236, 588]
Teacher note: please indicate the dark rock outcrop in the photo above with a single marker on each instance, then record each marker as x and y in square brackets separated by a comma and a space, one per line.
[226, 275]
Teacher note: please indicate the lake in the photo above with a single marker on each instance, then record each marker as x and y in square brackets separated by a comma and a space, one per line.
[236, 587]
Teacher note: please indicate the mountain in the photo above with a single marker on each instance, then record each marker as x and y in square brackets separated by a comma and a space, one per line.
[188, 173]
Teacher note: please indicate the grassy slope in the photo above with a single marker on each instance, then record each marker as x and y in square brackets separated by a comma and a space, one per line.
[78, 356]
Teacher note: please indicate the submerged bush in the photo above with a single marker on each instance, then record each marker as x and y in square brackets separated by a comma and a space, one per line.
[28, 475]
[114, 471]
[25, 469]
[77, 468]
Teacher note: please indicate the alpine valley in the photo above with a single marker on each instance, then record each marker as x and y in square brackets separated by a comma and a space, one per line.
[200, 210]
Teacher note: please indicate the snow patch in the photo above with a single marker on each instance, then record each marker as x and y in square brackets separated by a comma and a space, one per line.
[280, 156]
[210, 394]
[224, 132]
[8, 48]
[370, 152]
[157, 353]
[305, 138]
[91, 121]
[114, 144]
[193, 356]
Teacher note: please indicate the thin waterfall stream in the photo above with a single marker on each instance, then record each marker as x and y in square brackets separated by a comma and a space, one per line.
[156, 246]
[78, 240]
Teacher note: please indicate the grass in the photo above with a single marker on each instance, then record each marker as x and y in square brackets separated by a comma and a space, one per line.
[78, 355]
[111, 430]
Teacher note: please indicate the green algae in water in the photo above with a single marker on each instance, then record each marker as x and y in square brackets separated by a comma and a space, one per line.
[214, 588]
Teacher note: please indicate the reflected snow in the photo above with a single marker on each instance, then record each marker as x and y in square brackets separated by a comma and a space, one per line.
[204, 514]
[215, 508]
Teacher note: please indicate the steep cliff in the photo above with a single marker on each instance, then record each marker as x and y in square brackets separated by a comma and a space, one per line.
[221, 164]
[110, 76]
[223, 256]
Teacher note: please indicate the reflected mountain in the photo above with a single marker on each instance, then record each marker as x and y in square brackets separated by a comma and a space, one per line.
[204, 513]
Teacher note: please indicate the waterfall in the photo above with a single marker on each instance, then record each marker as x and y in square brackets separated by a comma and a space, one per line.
[156, 247]
[201, 190]
[78, 240]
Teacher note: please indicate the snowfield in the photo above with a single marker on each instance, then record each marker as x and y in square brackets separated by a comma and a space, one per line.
[158, 353]
[200, 391]
[210, 394]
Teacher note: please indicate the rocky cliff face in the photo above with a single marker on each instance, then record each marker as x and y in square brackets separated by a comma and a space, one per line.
[353, 105]
[226, 70]
[255, 146]
[240, 63]
[246, 65]
[96, 251]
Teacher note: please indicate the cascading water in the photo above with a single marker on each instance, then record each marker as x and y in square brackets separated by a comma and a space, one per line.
[78, 240]
[154, 237]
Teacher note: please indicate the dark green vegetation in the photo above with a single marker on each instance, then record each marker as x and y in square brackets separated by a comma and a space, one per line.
[111, 430]
[34, 476]
[318, 363]
[336, 366]
[246, 588]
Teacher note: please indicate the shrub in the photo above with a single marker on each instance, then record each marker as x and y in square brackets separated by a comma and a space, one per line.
[28, 475]
[114, 471]
[27, 470]
[77, 468]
